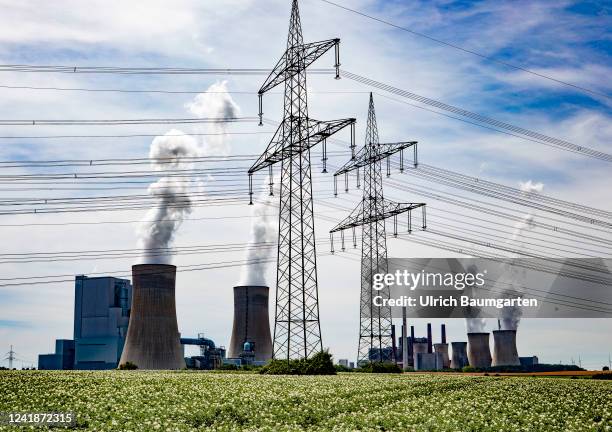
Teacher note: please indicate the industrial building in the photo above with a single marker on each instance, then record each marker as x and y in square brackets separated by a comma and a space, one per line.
[62, 359]
[101, 314]
[102, 309]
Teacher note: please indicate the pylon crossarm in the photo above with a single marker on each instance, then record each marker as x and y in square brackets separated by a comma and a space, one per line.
[278, 148]
[359, 218]
[307, 54]
[365, 157]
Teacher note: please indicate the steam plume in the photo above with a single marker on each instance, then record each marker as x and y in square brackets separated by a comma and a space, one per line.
[510, 317]
[157, 230]
[263, 230]
[216, 102]
[474, 325]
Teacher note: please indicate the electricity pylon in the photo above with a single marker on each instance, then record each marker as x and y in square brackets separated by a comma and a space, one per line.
[375, 333]
[10, 357]
[297, 332]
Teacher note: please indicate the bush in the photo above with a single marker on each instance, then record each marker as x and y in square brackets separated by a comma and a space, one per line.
[603, 376]
[605, 368]
[469, 369]
[380, 367]
[127, 366]
[342, 368]
[228, 366]
[319, 364]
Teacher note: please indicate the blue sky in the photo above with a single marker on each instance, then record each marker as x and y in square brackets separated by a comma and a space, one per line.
[567, 40]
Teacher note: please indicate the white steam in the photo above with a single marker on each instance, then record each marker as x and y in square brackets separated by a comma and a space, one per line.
[263, 237]
[172, 152]
[474, 325]
[216, 102]
[510, 317]
[530, 186]
[172, 202]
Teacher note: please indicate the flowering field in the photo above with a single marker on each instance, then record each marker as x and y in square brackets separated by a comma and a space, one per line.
[180, 401]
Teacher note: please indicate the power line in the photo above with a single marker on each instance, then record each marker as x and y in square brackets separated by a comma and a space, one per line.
[145, 70]
[541, 138]
[469, 51]
[112, 122]
[130, 135]
[163, 91]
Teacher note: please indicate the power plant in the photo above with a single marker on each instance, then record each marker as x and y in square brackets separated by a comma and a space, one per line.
[479, 352]
[459, 355]
[504, 348]
[251, 340]
[153, 339]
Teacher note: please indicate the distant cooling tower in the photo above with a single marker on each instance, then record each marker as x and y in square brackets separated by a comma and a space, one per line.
[419, 346]
[153, 340]
[479, 353]
[441, 349]
[459, 355]
[251, 322]
[504, 350]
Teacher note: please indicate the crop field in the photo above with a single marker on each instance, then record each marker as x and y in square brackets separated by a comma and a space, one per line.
[182, 401]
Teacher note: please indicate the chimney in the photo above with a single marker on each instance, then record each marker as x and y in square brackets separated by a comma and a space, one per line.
[443, 332]
[429, 338]
[153, 340]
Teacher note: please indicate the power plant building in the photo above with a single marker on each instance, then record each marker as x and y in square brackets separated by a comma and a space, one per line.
[101, 316]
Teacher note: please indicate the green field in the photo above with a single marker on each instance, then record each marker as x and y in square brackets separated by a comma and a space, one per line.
[180, 401]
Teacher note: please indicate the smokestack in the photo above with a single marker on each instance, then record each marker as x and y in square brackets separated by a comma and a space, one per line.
[504, 349]
[394, 345]
[460, 358]
[429, 338]
[153, 340]
[412, 332]
[251, 322]
[443, 332]
[441, 349]
[479, 353]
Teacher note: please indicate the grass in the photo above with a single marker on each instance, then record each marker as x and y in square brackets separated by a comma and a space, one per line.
[184, 401]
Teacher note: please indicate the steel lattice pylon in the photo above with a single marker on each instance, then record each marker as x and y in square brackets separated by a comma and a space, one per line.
[297, 332]
[375, 332]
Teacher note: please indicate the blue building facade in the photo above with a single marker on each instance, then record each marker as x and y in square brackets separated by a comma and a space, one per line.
[101, 316]
[62, 359]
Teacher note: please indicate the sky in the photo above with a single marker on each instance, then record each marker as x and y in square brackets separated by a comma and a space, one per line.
[570, 41]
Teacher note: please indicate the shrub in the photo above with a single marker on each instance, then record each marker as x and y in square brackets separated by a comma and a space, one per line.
[342, 368]
[605, 368]
[469, 369]
[228, 366]
[319, 364]
[380, 367]
[127, 366]
[603, 376]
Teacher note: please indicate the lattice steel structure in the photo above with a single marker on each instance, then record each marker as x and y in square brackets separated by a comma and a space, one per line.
[375, 334]
[297, 332]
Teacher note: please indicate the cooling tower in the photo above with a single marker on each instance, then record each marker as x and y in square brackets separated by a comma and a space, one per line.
[251, 322]
[419, 346]
[460, 358]
[479, 353]
[153, 340]
[504, 350]
[441, 349]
